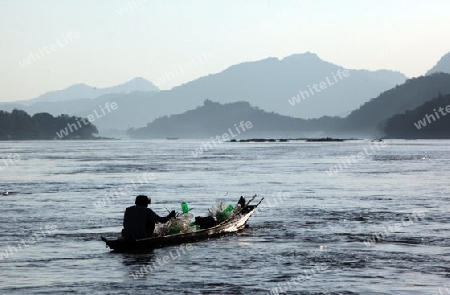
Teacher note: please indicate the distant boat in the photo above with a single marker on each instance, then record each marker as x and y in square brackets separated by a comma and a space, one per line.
[324, 139]
[8, 193]
[172, 138]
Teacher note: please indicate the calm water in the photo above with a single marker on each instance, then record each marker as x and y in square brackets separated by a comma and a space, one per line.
[317, 233]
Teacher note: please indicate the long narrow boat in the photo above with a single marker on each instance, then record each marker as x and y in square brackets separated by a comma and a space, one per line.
[232, 225]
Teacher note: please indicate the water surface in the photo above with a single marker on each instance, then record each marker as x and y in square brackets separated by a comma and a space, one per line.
[323, 221]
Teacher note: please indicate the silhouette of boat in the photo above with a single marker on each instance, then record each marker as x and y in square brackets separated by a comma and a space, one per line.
[8, 193]
[229, 226]
[172, 138]
[327, 139]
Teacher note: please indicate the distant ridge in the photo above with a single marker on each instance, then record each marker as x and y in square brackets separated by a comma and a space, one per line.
[270, 84]
[198, 123]
[367, 121]
[442, 66]
[79, 91]
[370, 118]
[428, 121]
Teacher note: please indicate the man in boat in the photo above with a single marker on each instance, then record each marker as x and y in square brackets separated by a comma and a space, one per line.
[139, 221]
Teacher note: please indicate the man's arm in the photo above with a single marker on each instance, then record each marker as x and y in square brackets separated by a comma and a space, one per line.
[159, 219]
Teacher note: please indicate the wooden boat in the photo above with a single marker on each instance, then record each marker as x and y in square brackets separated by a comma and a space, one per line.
[232, 225]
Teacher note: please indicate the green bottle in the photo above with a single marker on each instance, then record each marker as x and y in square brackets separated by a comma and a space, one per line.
[220, 216]
[228, 209]
[184, 208]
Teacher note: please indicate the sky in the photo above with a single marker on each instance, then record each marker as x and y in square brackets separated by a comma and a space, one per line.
[49, 45]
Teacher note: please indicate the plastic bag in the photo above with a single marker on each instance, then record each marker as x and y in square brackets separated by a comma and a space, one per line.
[222, 211]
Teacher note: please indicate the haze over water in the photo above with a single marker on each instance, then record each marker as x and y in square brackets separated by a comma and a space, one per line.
[325, 220]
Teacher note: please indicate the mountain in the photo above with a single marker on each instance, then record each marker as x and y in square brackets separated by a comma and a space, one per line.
[84, 107]
[80, 91]
[275, 85]
[370, 118]
[426, 121]
[442, 66]
[272, 84]
[366, 121]
[237, 120]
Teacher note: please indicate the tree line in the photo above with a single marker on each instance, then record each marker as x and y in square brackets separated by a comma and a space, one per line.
[19, 125]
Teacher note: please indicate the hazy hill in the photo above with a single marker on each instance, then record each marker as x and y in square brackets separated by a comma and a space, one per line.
[267, 84]
[369, 118]
[80, 91]
[442, 66]
[367, 121]
[214, 119]
[270, 84]
[430, 120]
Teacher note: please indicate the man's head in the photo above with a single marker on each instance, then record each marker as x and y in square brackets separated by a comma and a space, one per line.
[142, 200]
